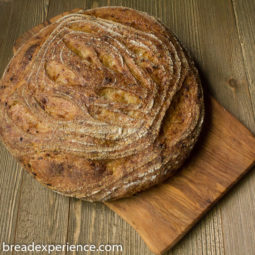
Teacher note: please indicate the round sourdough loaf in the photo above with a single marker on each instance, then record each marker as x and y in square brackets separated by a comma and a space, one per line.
[101, 104]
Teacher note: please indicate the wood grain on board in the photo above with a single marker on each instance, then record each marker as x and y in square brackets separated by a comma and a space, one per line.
[213, 31]
[165, 213]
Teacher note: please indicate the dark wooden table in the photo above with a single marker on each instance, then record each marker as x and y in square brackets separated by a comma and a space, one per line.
[220, 34]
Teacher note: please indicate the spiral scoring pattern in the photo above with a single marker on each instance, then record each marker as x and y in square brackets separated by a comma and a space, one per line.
[95, 88]
[103, 86]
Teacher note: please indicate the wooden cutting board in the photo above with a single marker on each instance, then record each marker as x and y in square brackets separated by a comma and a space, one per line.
[165, 213]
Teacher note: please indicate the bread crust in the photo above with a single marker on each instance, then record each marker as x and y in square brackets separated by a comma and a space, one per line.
[101, 104]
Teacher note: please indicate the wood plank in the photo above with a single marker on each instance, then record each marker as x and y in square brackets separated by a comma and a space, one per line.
[42, 215]
[10, 171]
[10, 183]
[57, 7]
[240, 207]
[245, 19]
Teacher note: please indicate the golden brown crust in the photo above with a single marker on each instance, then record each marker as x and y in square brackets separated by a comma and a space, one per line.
[101, 104]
